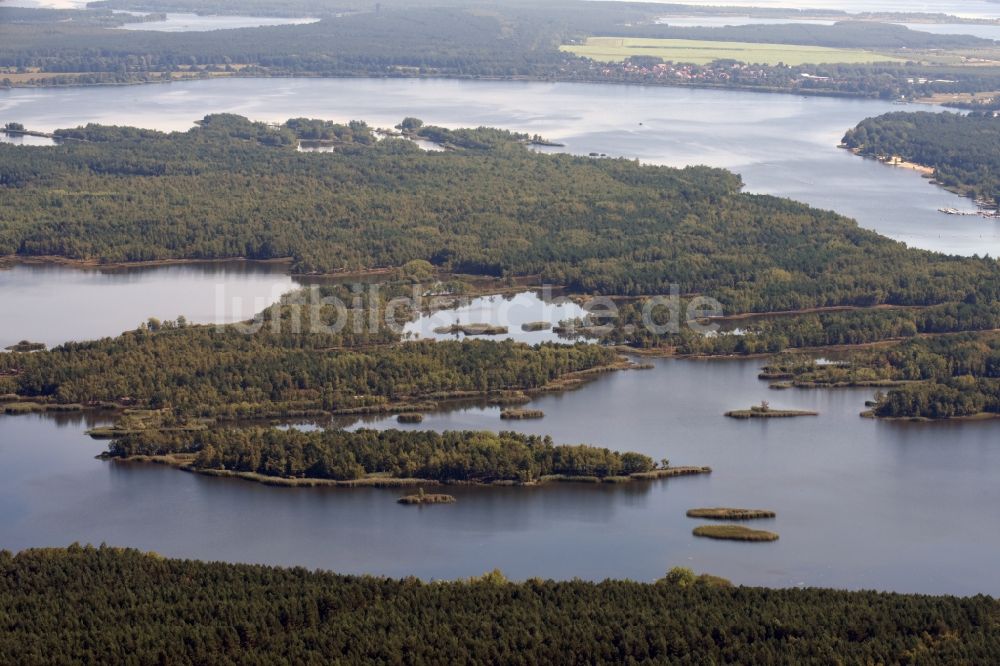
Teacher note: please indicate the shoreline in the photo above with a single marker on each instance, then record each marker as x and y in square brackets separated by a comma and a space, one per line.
[14, 404]
[980, 416]
[184, 462]
[771, 90]
[984, 208]
[12, 260]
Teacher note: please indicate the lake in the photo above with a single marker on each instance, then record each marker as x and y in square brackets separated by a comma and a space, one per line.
[781, 144]
[962, 8]
[179, 22]
[511, 312]
[55, 304]
[861, 504]
[983, 31]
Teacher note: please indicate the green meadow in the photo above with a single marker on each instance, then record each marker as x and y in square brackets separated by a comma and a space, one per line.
[616, 49]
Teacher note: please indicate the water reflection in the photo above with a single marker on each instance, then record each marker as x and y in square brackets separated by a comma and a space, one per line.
[54, 304]
[517, 313]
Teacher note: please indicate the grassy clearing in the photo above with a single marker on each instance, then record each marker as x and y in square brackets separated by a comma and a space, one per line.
[734, 533]
[617, 49]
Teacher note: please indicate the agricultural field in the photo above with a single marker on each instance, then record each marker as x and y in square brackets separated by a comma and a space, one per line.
[616, 49]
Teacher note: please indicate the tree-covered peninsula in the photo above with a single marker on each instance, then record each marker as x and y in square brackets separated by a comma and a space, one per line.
[205, 371]
[233, 188]
[105, 605]
[939, 377]
[962, 149]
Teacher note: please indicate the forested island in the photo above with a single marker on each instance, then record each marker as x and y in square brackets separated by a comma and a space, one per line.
[765, 411]
[962, 149]
[952, 376]
[390, 457]
[103, 604]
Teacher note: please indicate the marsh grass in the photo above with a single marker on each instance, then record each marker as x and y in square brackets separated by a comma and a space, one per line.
[730, 514]
[427, 498]
[520, 414]
[734, 533]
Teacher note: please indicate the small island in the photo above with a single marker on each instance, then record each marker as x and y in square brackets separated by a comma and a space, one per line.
[426, 498]
[535, 326]
[26, 346]
[410, 417]
[471, 329]
[730, 514]
[521, 414]
[733, 533]
[764, 411]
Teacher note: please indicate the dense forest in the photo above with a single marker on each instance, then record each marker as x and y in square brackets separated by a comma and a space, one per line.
[341, 455]
[963, 149]
[509, 39]
[939, 377]
[771, 334]
[207, 371]
[233, 188]
[105, 605]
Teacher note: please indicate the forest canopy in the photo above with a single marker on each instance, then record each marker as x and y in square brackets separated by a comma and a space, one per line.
[106, 605]
[963, 149]
[937, 377]
[234, 188]
[341, 455]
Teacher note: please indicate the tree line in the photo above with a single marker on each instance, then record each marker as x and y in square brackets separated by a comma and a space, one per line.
[110, 605]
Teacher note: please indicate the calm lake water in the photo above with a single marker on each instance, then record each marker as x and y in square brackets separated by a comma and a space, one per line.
[962, 8]
[781, 144]
[55, 304]
[511, 312]
[984, 31]
[197, 23]
[860, 504]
